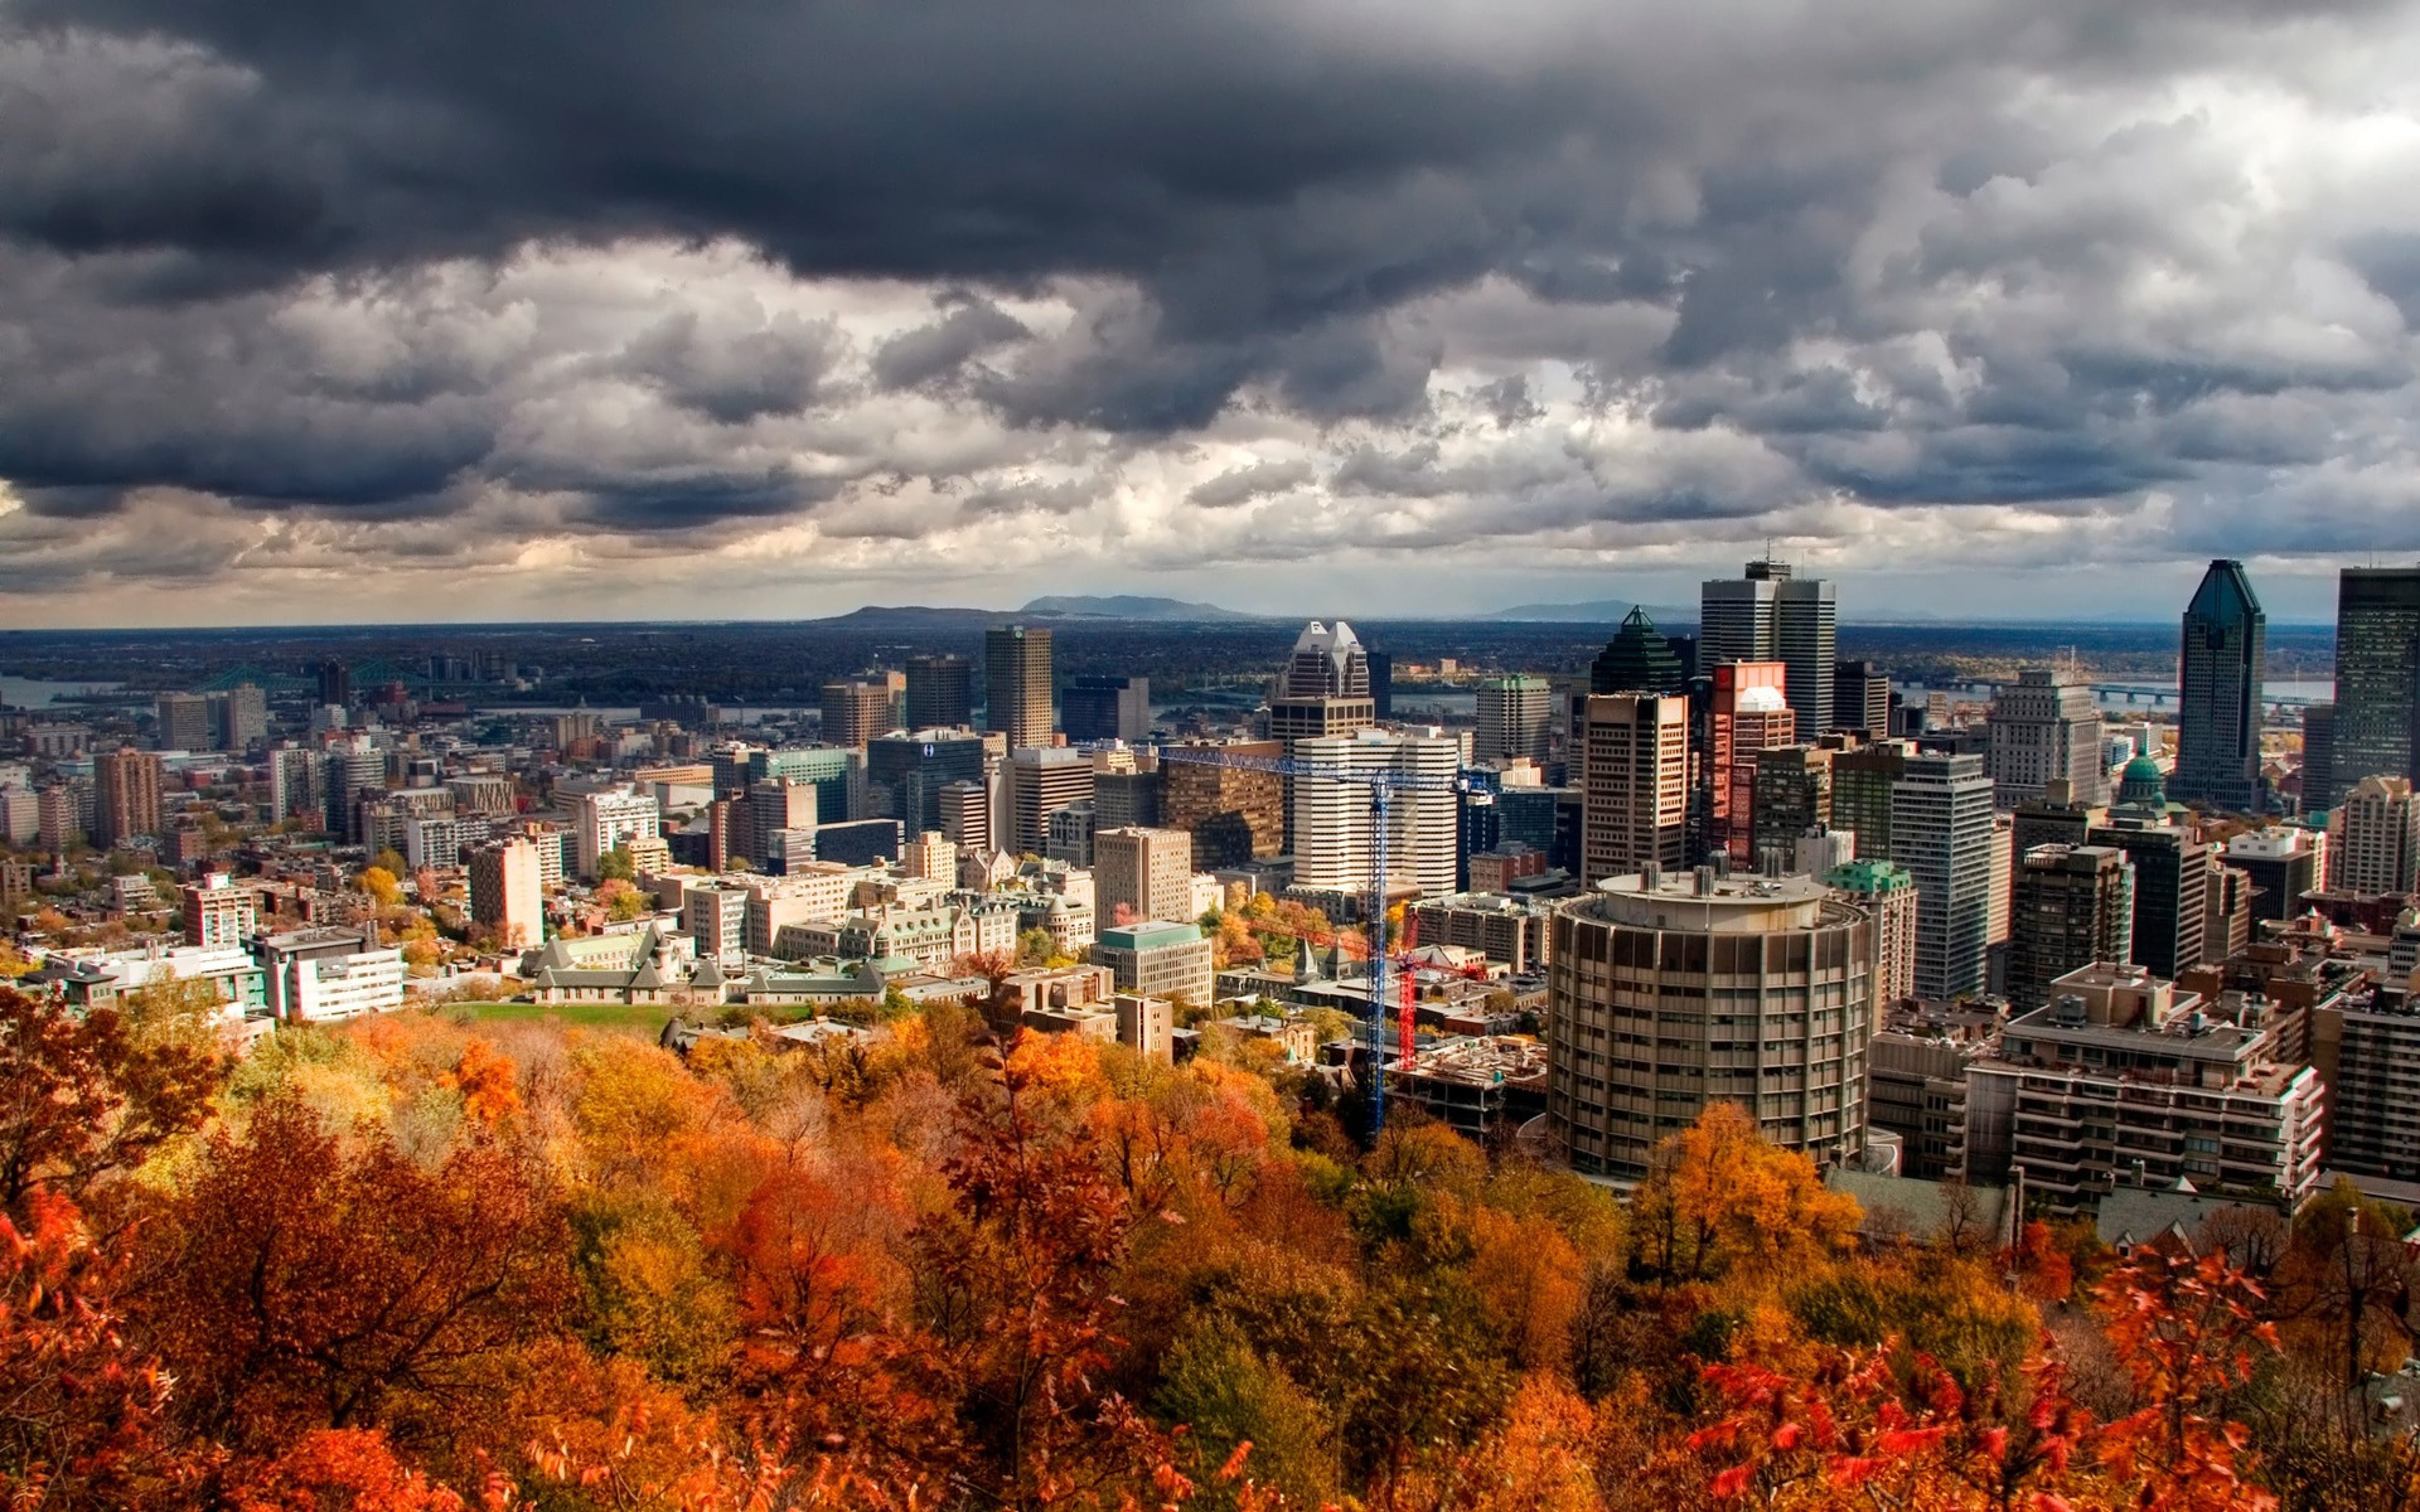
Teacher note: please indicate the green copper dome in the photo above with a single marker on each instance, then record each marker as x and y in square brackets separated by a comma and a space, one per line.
[2142, 783]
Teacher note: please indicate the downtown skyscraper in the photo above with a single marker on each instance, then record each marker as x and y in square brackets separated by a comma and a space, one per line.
[1767, 614]
[1017, 695]
[2378, 676]
[2218, 669]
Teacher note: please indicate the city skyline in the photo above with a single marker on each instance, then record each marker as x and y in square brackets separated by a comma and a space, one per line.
[2005, 313]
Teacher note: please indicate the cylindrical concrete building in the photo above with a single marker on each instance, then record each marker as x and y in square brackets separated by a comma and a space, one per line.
[1671, 992]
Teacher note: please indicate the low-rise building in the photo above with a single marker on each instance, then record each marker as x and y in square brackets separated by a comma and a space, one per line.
[323, 975]
[1159, 958]
[2123, 1080]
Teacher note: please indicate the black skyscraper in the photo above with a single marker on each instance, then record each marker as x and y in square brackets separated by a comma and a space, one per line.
[940, 692]
[2378, 671]
[2218, 724]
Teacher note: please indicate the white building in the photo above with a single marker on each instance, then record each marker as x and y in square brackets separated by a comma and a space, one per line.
[2045, 726]
[318, 976]
[715, 915]
[1941, 833]
[2374, 837]
[610, 820]
[1332, 828]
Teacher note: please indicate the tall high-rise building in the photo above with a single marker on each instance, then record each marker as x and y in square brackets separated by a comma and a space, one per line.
[1147, 872]
[1768, 614]
[1016, 694]
[609, 821]
[1334, 821]
[1325, 688]
[1789, 795]
[1106, 708]
[239, 717]
[1862, 780]
[907, 770]
[296, 789]
[508, 892]
[184, 721]
[2319, 757]
[1861, 698]
[2073, 906]
[1234, 814]
[335, 685]
[1127, 800]
[2377, 675]
[1632, 751]
[1041, 780]
[1639, 659]
[965, 816]
[126, 796]
[1748, 712]
[1515, 719]
[2044, 727]
[1638, 1047]
[2218, 718]
[218, 914]
[855, 711]
[940, 692]
[1941, 831]
[2376, 839]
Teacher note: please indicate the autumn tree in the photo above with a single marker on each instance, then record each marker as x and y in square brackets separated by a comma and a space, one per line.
[1717, 1195]
[1015, 1282]
[85, 1099]
[82, 1413]
[306, 1280]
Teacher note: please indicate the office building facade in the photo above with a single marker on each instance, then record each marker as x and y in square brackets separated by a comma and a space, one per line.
[1018, 687]
[855, 711]
[1096, 708]
[941, 693]
[1148, 872]
[2073, 906]
[2377, 674]
[1941, 831]
[2044, 727]
[1335, 822]
[1515, 720]
[1041, 780]
[1771, 615]
[1633, 755]
[2218, 719]
[1861, 699]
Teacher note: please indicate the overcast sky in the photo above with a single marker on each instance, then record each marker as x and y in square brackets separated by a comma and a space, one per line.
[488, 309]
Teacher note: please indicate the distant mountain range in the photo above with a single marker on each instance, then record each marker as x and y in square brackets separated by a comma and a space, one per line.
[1130, 606]
[1137, 607]
[1591, 611]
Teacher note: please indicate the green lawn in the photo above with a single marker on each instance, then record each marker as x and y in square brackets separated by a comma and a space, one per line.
[640, 1018]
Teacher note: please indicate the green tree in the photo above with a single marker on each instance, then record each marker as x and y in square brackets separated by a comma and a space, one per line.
[615, 865]
[1215, 1382]
[1034, 946]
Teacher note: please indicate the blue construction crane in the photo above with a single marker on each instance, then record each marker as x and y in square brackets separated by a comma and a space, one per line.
[1383, 785]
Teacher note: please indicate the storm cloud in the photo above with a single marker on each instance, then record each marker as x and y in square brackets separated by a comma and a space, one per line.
[529, 293]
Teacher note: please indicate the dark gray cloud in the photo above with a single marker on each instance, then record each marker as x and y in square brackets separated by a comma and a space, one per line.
[1563, 272]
